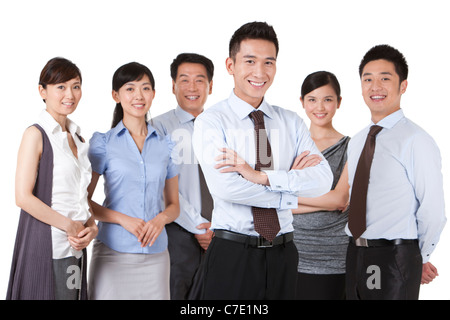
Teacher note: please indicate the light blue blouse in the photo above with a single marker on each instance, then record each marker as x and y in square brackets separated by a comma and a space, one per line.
[133, 182]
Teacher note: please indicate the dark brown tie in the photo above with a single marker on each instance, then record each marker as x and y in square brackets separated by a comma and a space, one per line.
[207, 201]
[358, 199]
[205, 196]
[265, 219]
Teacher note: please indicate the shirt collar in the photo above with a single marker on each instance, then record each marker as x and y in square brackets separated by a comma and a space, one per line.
[182, 115]
[120, 128]
[243, 109]
[391, 120]
[50, 124]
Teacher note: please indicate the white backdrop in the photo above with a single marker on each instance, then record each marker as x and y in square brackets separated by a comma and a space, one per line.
[99, 36]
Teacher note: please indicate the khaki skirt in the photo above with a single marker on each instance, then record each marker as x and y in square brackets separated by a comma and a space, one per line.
[128, 276]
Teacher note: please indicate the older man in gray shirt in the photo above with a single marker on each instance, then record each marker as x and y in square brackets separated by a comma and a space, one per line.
[189, 236]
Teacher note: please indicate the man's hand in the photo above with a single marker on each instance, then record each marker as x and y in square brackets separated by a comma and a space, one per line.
[429, 272]
[204, 239]
[304, 160]
[232, 162]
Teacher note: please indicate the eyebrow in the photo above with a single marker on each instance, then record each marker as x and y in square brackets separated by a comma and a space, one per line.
[311, 96]
[198, 75]
[369, 74]
[254, 57]
[133, 84]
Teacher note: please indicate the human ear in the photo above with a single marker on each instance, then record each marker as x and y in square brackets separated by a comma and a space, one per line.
[173, 87]
[403, 86]
[210, 86]
[115, 96]
[301, 100]
[229, 63]
[42, 92]
[339, 102]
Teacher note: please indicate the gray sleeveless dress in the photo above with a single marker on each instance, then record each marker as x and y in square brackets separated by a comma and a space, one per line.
[319, 236]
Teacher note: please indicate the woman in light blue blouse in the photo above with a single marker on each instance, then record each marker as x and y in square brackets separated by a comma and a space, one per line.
[130, 258]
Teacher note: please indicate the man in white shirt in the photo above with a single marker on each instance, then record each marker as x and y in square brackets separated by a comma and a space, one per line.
[405, 202]
[240, 263]
[189, 235]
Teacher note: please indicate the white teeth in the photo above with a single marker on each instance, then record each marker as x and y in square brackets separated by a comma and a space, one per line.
[192, 97]
[378, 97]
[256, 84]
[67, 104]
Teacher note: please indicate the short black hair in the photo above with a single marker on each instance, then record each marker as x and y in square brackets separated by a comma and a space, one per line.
[386, 52]
[58, 70]
[252, 30]
[192, 58]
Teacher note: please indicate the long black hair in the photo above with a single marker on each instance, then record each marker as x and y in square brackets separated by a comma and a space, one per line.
[132, 71]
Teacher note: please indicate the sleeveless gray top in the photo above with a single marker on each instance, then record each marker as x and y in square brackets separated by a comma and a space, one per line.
[319, 236]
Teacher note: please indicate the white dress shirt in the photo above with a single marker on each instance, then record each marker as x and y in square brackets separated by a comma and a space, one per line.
[179, 125]
[405, 197]
[227, 125]
[71, 177]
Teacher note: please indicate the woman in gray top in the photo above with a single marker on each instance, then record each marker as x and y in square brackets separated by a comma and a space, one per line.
[319, 222]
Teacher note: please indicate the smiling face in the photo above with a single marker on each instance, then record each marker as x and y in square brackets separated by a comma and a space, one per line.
[192, 87]
[253, 70]
[381, 88]
[61, 99]
[135, 97]
[321, 105]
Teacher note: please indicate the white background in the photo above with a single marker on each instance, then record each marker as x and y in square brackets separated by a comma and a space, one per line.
[99, 36]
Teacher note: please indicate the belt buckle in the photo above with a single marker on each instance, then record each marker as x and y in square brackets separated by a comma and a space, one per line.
[263, 243]
[361, 242]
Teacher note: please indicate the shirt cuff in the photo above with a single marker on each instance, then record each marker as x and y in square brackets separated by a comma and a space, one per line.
[427, 251]
[288, 201]
[278, 180]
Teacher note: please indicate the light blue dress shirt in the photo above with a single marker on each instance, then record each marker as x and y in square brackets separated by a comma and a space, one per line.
[405, 196]
[179, 125]
[133, 182]
[227, 125]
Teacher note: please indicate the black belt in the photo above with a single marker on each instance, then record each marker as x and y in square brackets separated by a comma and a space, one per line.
[253, 241]
[362, 242]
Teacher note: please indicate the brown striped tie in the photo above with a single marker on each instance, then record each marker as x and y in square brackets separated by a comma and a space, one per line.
[358, 199]
[206, 199]
[205, 196]
[265, 219]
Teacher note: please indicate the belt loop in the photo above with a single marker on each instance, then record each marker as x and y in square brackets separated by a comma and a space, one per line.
[247, 239]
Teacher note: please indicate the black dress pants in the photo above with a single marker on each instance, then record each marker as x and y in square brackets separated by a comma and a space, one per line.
[236, 271]
[185, 258]
[390, 272]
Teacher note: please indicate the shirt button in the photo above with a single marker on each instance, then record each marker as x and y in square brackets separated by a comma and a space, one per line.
[279, 187]
[289, 203]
